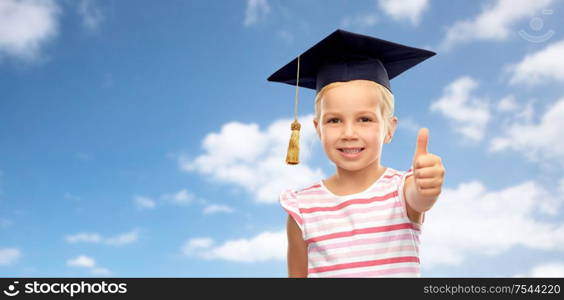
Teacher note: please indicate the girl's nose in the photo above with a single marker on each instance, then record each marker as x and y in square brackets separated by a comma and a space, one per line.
[349, 131]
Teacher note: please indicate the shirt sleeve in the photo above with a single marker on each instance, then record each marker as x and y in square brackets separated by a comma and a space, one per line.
[402, 195]
[289, 202]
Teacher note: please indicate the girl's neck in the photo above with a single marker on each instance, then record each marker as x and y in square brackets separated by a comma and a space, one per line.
[356, 181]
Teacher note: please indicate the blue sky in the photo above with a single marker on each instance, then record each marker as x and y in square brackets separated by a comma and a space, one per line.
[141, 139]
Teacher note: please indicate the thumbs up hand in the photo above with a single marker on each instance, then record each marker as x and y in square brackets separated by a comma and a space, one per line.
[428, 170]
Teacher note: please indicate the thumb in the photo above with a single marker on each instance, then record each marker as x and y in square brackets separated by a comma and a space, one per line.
[422, 140]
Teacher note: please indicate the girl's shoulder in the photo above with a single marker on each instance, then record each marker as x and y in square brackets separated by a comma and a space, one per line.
[393, 177]
[295, 192]
[292, 201]
[391, 172]
[309, 188]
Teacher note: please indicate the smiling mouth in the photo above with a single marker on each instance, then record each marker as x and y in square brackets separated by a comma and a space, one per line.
[350, 150]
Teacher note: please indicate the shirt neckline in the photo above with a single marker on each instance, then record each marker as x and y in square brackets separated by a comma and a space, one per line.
[359, 193]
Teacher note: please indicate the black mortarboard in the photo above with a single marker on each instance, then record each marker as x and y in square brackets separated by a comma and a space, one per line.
[345, 56]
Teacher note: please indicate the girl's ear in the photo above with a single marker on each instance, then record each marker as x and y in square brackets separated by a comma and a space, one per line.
[316, 126]
[392, 125]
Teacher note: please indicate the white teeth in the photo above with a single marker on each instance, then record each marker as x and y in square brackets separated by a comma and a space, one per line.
[352, 150]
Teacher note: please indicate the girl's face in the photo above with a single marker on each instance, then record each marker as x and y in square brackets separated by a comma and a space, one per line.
[351, 126]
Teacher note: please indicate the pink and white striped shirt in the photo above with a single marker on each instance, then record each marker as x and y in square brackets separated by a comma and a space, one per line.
[367, 234]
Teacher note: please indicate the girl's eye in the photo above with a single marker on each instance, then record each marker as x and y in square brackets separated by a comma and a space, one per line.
[333, 120]
[365, 119]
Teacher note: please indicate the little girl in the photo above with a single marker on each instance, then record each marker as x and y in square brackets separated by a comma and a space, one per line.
[365, 220]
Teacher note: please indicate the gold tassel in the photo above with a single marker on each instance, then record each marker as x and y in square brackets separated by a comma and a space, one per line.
[293, 156]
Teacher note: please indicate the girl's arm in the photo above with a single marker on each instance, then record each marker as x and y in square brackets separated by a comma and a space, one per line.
[297, 250]
[423, 188]
[409, 190]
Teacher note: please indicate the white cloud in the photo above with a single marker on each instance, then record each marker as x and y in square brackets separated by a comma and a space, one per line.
[404, 9]
[551, 269]
[507, 104]
[469, 114]
[91, 15]
[100, 271]
[9, 255]
[182, 197]
[145, 202]
[526, 112]
[538, 142]
[263, 247]
[95, 238]
[89, 263]
[543, 66]
[81, 261]
[256, 11]
[25, 27]
[215, 208]
[409, 124]
[83, 238]
[194, 246]
[243, 155]
[493, 23]
[469, 220]
[123, 239]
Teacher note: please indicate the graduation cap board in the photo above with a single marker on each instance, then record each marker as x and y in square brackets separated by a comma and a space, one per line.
[344, 56]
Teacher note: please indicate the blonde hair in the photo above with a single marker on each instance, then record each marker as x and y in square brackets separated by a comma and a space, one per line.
[387, 99]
